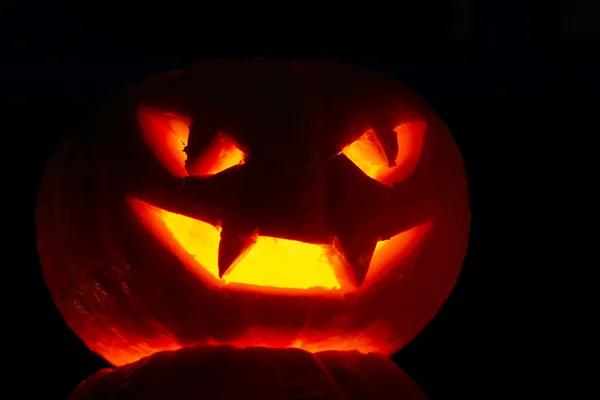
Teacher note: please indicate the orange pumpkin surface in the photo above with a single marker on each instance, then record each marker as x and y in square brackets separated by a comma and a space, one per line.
[225, 372]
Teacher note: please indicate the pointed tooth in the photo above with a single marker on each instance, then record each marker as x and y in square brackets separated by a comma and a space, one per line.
[230, 248]
[232, 245]
[358, 251]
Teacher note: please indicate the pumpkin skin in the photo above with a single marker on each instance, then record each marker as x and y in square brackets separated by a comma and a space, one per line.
[225, 372]
[128, 288]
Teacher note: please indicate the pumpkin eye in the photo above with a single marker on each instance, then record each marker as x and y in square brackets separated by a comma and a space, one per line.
[222, 153]
[167, 136]
[368, 153]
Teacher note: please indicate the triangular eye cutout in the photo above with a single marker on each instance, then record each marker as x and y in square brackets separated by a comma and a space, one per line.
[167, 135]
[368, 154]
[222, 153]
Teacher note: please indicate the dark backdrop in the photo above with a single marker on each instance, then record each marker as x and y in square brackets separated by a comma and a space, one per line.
[517, 83]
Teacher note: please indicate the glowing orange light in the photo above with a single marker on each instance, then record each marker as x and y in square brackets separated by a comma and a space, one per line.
[194, 242]
[116, 354]
[315, 341]
[390, 252]
[167, 135]
[368, 154]
[287, 264]
[269, 262]
[222, 153]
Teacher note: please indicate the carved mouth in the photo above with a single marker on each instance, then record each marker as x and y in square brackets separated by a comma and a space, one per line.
[268, 263]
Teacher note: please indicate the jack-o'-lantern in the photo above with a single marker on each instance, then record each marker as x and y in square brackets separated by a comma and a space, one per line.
[254, 203]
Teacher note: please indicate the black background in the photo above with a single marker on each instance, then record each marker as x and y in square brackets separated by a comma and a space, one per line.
[517, 82]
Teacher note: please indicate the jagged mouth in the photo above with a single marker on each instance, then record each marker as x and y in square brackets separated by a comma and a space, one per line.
[271, 264]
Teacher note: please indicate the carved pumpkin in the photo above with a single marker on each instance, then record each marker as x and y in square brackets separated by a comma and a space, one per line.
[254, 203]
